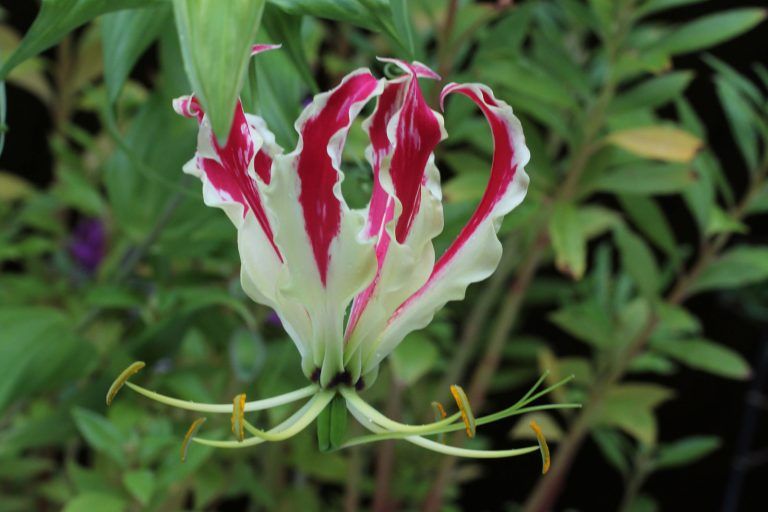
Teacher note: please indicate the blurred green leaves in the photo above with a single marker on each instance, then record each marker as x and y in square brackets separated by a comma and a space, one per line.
[59, 17]
[216, 45]
[125, 36]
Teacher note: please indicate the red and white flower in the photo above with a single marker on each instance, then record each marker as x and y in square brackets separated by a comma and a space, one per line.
[316, 261]
[349, 284]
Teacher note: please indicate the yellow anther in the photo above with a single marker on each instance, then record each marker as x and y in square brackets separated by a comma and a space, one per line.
[238, 416]
[122, 379]
[545, 460]
[193, 428]
[440, 413]
[466, 411]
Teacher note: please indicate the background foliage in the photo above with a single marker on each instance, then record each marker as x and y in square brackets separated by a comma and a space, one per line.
[640, 233]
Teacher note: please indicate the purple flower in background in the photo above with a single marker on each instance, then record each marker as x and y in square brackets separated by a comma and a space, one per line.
[273, 319]
[87, 245]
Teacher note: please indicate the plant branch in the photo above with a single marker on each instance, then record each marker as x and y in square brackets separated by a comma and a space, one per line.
[548, 489]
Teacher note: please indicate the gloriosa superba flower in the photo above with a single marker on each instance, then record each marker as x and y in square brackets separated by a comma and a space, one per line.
[348, 284]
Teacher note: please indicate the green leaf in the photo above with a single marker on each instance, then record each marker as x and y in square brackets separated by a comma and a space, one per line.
[649, 218]
[357, 12]
[286, 29]
[653, 93]
[586, 321]
[12, 187]
[3, 112]
[568, 240]
[92, 501]
[38, 351]
[706, 356]
[59, 17]
[216, 45]
[686, 451]
[402, 22]
[710, 30]
[646, 179]
[100, 433]
[247, 354]
[614, 446]
[630, 407]
[125, 36]
[141, 484]
[738, 267]
[638, 261]
[413, 358]
[741, 115]
[654, 6]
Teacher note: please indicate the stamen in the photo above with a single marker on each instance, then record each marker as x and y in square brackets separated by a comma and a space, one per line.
[238, 416]
[374, 416]
[439, 411]
[440, 448]
[466, 411]
[545, 460]
[121, 379]
[193, 428]
[256, 405]
[440, 414]
[289, 428]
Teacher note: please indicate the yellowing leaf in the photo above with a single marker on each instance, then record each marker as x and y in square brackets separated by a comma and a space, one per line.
[658, 142]
[12, 187]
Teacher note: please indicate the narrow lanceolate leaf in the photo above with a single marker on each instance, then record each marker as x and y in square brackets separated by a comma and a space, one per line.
[658, 142]
[3, 105]
[362, 13]
[685, 451]
[652, 93]
[649, 218]
[741, 266]
[707, 356]
[402, 22]
[638, 261]
[286, 29]
[59, 17]
[568, 240]
[216, 40]
[710, 30]
[654, 6]
[646, 178]
[125, 35]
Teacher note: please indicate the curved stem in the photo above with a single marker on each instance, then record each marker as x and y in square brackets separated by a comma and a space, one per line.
[372, 415]
[289, 428]
[256, 405]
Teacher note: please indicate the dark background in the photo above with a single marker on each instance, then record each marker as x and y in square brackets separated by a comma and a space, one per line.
[705, 404]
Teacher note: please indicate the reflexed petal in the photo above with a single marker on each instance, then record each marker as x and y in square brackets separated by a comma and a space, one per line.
[319, 237]
[476, 252]
[405, 212]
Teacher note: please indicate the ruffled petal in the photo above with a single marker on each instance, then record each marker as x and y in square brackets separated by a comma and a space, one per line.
[476, 252]
[405, 212]
[321, 239]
